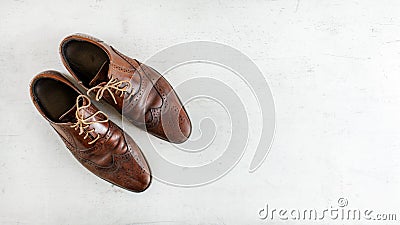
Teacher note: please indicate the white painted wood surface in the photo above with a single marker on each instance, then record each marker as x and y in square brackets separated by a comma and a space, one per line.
[334, 70]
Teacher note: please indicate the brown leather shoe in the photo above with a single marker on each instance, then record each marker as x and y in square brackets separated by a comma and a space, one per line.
[96, 142]
[139, 92]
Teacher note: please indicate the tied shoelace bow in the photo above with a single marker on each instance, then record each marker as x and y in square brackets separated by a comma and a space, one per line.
[112, 85]
[83, 123]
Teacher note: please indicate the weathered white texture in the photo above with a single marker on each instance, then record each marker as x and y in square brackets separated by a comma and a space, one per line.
[334, 70]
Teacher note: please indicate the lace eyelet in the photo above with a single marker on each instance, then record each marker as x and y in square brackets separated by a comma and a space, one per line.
[83, 123]
[112, 85]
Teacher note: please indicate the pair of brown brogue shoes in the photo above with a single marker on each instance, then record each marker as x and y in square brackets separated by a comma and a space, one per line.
[139, 92]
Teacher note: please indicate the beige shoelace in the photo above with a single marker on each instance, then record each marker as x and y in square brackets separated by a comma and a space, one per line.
[112, 85]
[83, 123]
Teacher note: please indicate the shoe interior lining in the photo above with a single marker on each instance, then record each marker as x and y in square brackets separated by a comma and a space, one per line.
[54, 97]
[85, 59]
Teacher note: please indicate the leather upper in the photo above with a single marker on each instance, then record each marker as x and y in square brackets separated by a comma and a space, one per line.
[149, 103]
[113, 156]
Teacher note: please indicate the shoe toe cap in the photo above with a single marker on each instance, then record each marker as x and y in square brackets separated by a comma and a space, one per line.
[173, 125]
[134, 173]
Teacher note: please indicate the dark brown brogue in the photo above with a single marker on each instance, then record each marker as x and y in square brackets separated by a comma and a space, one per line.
[96, 142]
[137, 91]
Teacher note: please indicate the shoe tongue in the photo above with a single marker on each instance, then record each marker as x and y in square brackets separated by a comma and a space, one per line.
[101, 76]
[68, 116]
